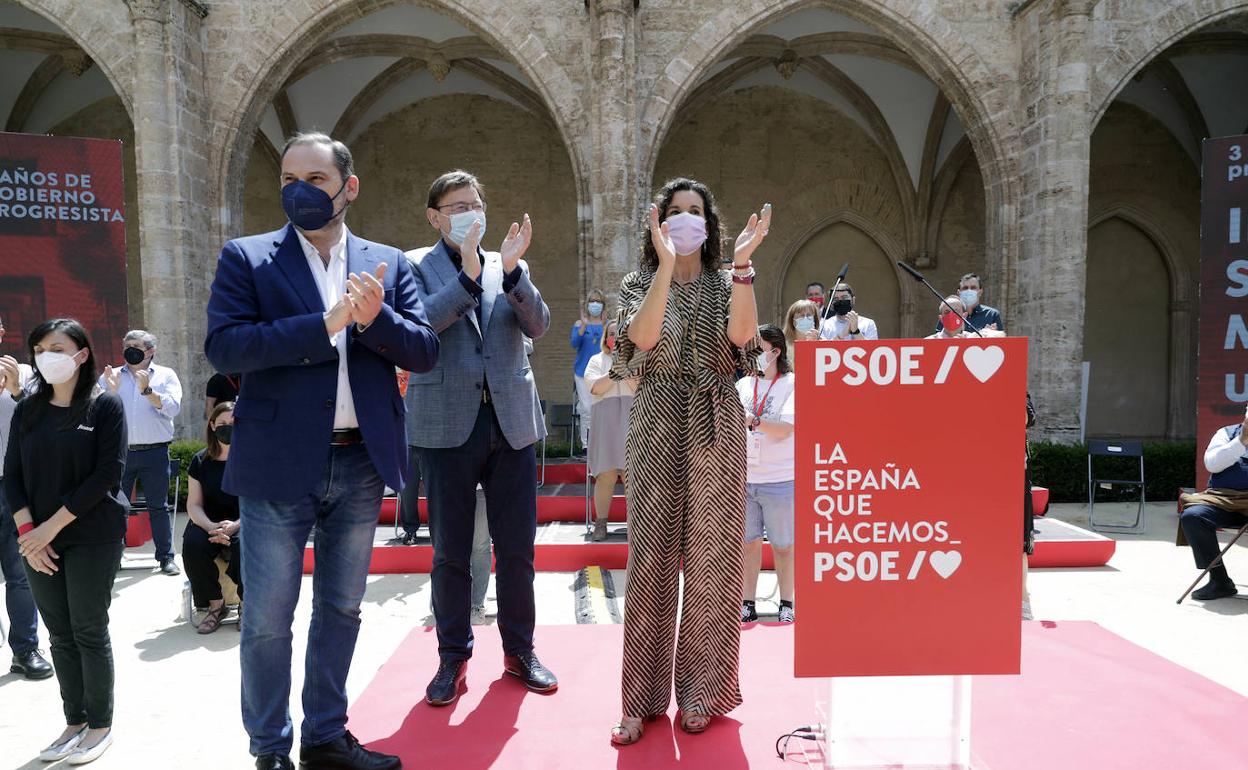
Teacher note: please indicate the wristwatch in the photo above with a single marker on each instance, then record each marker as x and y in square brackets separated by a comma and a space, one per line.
[146, 391]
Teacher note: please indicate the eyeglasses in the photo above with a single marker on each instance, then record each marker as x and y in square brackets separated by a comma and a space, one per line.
[460, 208]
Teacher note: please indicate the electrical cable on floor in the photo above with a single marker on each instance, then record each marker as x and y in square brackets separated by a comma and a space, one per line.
[805, 732]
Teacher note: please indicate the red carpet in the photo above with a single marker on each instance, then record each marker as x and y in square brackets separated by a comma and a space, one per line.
[1086, 699]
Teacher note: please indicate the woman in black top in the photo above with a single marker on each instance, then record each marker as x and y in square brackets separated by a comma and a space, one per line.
[62, 473]
[213, 528]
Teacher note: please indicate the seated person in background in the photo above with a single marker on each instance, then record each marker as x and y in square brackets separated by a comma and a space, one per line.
[1224, 504]
[951, 325]
[801, 322]
[213, 527]
[844, 323]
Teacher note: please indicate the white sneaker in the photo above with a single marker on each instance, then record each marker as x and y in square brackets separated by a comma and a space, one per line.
[83, 756]
[58, 751]
[1027, 611]
[478, 617]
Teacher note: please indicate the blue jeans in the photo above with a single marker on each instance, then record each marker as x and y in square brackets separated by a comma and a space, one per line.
[23, 620]
[509, 477]
[151, 468]
[343, 510]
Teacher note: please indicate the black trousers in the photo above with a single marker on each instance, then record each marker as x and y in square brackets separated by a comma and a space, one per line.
[74, 603]
[409, 497]
[1200, 524]
[509, 477]
[199, 559]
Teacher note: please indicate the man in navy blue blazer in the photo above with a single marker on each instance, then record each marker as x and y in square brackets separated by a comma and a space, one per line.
[316, 319]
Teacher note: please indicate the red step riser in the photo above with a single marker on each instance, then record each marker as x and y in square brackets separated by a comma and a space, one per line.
[570, 557]
[550, 509]
[548, 557]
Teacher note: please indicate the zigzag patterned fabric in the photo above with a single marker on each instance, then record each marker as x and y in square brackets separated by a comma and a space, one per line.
[686, 501]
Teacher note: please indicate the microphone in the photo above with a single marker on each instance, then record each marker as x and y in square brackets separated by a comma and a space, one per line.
[919, 277]
[913, 273]
[827, 302]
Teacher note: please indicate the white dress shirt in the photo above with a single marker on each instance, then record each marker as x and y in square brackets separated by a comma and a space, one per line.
[331, 282]
[147, 424]
[836, 325]
[1223, 451]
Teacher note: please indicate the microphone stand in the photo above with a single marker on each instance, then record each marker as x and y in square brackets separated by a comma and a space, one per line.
[827, 301]
[919, 277]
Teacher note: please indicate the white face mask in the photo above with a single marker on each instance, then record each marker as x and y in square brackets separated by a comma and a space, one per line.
[804, 324]
[764, 361]
[461, 223]
[55, 367]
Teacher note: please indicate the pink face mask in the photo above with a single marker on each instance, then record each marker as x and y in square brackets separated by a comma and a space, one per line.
[688, 232]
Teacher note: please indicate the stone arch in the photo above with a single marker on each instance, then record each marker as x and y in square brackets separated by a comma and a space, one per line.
[104, 33]
[891, 247]
[1180, 308]
[262, 75]
[975, 91]
[1128, 57]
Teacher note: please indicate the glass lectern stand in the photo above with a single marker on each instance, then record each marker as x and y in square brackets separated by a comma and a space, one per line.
[895, 722]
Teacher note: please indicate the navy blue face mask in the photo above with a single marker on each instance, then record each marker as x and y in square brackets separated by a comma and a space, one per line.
[309, 207]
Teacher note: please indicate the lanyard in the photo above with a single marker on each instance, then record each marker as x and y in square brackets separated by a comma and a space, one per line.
[765, 394]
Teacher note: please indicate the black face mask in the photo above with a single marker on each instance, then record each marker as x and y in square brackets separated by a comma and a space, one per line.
[842, 306]
[224, 433]
[133, 356]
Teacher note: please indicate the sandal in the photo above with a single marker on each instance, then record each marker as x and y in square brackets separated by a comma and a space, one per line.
[627, 731]
[211, 621]
[694, 723]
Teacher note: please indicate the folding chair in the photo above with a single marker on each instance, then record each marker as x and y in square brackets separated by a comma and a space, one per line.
[1216, 561]
[1103, 448]
[140, 506]
[541, 480]
[564, 416]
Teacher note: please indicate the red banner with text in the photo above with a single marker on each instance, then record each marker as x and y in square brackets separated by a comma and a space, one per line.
[909, 506]
[1222, 363]
[62, 238]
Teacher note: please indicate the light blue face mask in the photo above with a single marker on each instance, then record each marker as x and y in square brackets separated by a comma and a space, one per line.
[969, 297]
[804, 324]
[595, 309]
[461, 223]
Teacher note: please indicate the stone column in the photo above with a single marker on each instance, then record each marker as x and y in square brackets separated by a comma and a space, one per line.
[614, 190]
[1053, 216]
[173, 194]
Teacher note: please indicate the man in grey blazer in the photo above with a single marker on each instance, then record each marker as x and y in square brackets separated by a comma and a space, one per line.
[477, 420]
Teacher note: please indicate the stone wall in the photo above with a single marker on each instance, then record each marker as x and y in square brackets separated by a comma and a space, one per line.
[523, 167]
[1028, 82]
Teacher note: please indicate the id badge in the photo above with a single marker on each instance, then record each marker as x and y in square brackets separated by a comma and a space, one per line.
[754, 447]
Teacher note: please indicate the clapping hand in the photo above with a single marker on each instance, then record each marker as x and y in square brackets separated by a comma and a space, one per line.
[365, 294]
[753, 234]
[468, 251]
[142, 378]
[661, 238]
[516, 243]
[112, 377]
[10, 375]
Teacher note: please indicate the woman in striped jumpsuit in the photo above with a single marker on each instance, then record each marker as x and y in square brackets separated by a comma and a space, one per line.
[685, 327]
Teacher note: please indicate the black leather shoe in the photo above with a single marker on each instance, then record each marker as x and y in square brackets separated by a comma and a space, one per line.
[530, 670]
[31, 665]
[1215, 590]
[274, 762]
[444, 688]
[346, 753]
